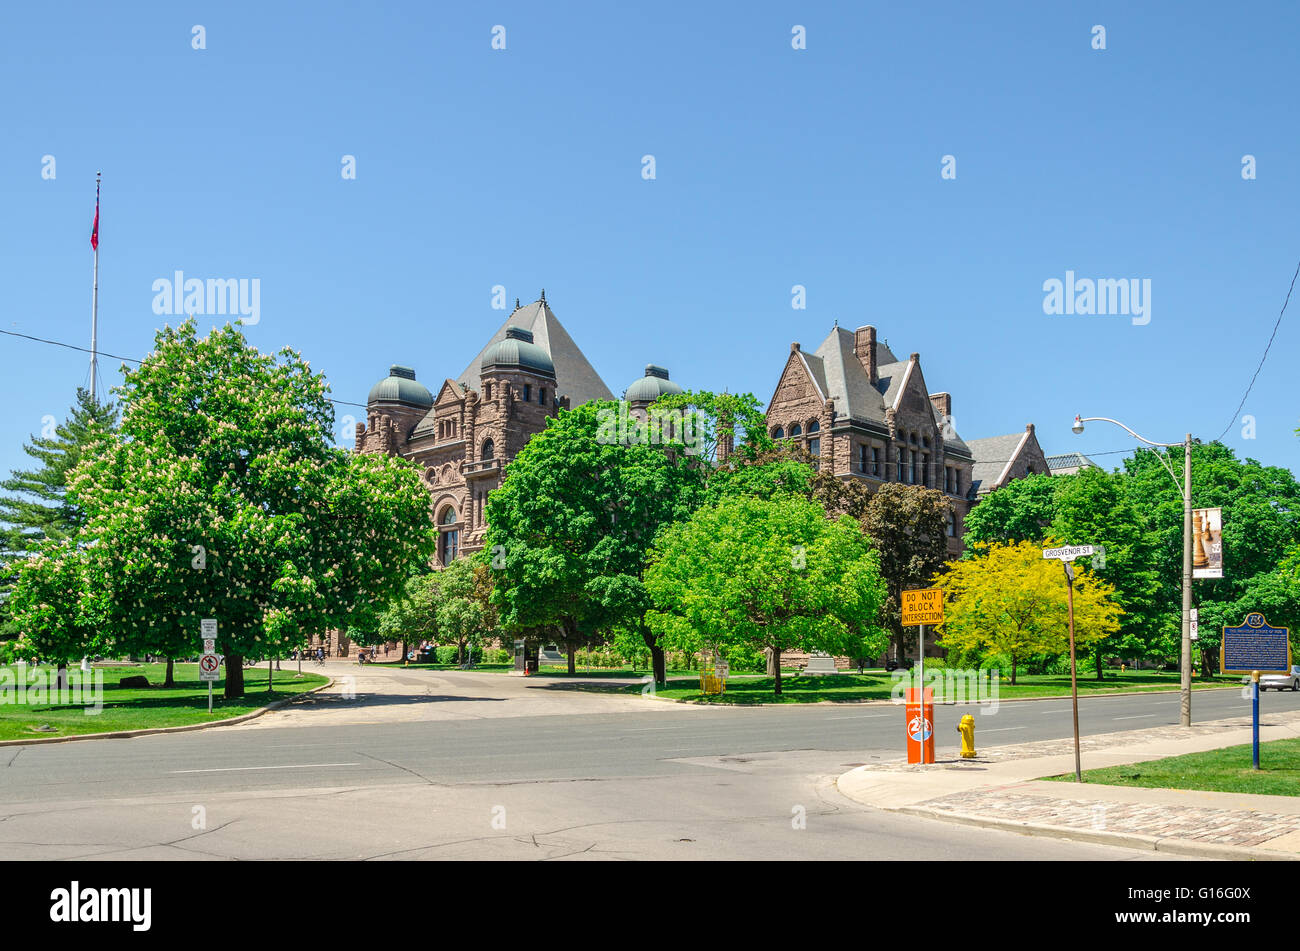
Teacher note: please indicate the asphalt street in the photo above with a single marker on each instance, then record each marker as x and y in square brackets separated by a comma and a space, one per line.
[627, 782]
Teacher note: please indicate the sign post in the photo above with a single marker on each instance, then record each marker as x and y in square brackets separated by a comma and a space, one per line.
[209, 662]
[1255, 647]
[921, 607]
[1067, 555]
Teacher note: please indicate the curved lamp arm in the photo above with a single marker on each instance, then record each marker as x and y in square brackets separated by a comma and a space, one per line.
[1078, 428]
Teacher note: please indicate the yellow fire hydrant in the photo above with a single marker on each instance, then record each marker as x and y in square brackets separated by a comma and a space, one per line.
[967, 730]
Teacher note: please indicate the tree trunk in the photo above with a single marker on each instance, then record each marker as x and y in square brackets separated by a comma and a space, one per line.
[403, 643]
[772, 667]
[776, 665]
[573, 660]
[170, 679]
[61, 677]
[234, 677]
[1013, 670]
[1100, 675]
[660, 667]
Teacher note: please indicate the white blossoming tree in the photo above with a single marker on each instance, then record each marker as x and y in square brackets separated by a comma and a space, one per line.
[222, 496]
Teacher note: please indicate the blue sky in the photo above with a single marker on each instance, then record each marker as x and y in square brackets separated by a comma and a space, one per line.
[774, 167]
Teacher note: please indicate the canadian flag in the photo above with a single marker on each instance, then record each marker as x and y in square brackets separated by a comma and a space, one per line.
[94, 231]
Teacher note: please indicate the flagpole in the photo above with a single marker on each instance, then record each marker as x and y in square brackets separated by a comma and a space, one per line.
[94, 303]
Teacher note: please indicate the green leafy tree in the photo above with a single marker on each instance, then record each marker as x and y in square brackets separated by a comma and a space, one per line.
[460, 614]
[1022, 510]
[1010, 600]
[1093, 507]
[752, 574]
[411, 616]
[1261, 521]
[574, 520]
[36, 506]
[57, 604]
[222, 496]
[715, 419]
[908, 526]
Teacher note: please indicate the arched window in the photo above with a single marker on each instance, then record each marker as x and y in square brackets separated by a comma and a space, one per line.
[489, 450]
[795, 430]
[814, 426]
[778, 433]
[449, 539]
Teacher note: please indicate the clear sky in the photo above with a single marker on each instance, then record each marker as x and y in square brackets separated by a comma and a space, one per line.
[774, 167]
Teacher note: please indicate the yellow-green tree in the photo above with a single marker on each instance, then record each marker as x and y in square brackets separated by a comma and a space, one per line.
[1011, 600]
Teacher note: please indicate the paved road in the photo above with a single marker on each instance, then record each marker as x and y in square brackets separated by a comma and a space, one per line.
[643, 779]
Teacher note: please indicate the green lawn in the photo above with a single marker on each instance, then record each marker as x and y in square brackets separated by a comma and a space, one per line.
[147, 707]
[1225, 770]
[879, 685]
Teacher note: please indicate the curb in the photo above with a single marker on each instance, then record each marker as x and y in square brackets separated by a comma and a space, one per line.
[126, 734]
[1130, 840]
[940, 703]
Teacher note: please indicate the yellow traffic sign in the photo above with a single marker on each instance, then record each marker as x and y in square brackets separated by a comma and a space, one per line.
[922, 606]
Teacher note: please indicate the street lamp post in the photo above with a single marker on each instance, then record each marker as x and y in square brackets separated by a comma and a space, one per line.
[1185, 490]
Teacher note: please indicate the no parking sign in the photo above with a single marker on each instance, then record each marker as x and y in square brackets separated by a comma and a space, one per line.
[209, 667]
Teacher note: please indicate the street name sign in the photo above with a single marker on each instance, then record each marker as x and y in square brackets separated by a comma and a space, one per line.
[923, 606]
[1255, 646]
[1070, 552]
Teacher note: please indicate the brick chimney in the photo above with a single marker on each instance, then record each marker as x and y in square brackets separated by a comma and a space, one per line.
[864, 348]
[943, 403]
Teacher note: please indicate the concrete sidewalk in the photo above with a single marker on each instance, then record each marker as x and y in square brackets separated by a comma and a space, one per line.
[1000, 789]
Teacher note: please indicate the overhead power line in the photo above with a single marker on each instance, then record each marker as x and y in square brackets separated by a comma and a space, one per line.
[1276, 324]
[73, 346]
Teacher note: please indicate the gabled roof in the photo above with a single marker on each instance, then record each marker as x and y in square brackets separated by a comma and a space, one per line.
[575, 377]
[993, 458]
[839, 373]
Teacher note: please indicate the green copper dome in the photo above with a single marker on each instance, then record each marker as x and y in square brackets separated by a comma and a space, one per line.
[517, 351]
[400, 387]
[650, 387]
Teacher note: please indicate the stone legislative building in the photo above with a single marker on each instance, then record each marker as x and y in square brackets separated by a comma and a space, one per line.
[479, 420]
[864, 413]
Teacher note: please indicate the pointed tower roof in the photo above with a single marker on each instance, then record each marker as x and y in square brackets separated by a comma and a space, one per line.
[575, 377]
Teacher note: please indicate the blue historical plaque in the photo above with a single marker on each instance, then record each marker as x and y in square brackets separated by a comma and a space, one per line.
[1255, 645]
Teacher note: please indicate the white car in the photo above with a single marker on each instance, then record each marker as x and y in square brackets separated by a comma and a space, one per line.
[1289, 681]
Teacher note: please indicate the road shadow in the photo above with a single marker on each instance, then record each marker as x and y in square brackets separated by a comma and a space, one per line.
[386, 700]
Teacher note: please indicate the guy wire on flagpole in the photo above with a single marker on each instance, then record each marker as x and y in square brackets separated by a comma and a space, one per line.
[94, 300]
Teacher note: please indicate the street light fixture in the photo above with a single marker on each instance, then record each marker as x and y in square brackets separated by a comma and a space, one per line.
[1185, 490]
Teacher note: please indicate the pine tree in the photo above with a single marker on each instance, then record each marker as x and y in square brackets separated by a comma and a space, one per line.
[36, 507]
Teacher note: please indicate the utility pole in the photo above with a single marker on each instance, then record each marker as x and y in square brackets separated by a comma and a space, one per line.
[1074, 681]
[94, 300]
[1185, 659]
[1185, 490]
